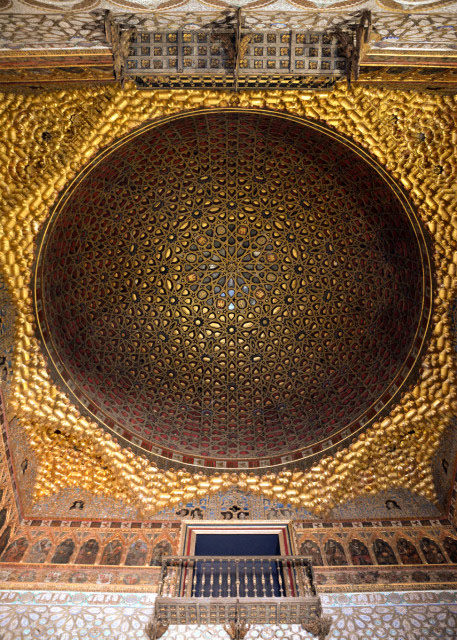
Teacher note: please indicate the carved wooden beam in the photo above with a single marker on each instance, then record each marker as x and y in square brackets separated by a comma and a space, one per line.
[118, 36]
[235, 46]
[362, 37]
[236, 70]
[352, 44]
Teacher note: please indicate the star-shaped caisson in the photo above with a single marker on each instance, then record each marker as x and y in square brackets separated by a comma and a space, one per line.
[229, 285]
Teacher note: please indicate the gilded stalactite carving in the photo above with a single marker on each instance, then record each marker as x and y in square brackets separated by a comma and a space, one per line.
[47, 138]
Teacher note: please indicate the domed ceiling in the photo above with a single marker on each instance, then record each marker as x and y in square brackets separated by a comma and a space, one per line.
[233, 288]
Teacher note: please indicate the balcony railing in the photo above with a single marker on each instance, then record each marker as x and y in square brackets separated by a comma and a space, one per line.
[237, 592]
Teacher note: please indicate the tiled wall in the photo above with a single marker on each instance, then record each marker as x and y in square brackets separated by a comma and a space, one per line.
[423, 615]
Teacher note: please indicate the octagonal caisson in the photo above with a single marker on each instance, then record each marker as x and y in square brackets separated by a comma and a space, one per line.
[233, 288]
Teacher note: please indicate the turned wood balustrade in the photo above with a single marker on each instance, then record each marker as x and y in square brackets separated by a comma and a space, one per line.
[237, 592]
[236, 577]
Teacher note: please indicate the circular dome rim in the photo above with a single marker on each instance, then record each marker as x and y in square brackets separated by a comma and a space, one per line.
[161, 455]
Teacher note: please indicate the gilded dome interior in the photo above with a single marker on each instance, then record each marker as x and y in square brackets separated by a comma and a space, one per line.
[92, 502]
[233, 287]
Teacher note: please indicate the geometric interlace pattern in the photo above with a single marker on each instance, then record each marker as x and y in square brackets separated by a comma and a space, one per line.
[232, 284]
[87, 616]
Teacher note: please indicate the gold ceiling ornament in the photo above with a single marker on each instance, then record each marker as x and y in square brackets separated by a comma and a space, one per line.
[42, 148]
[233, 289]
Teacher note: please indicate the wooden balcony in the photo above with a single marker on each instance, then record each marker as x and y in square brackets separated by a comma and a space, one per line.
[237, 592]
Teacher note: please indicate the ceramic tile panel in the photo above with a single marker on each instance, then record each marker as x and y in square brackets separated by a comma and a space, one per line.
[122, 616]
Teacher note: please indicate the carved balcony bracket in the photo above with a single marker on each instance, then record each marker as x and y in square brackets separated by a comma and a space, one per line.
[155, 629]
[319, 628]
[237, 630]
